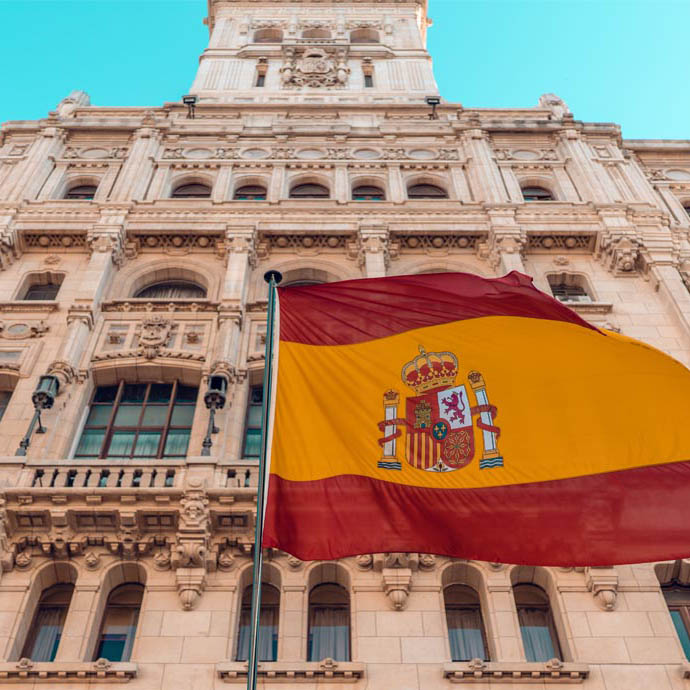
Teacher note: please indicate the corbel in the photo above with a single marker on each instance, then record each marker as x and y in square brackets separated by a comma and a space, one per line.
[603, 584]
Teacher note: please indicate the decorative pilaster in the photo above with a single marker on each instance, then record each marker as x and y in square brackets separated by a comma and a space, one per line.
[481, 166]
[373, 251]
[506, 242]
[138, 169]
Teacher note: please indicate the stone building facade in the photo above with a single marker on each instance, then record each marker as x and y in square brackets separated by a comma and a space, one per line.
[132, 248]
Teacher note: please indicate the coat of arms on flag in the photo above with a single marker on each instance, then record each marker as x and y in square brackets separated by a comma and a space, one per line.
[438, 422]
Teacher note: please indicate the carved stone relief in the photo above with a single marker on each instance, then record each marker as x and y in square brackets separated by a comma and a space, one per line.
[314, 68]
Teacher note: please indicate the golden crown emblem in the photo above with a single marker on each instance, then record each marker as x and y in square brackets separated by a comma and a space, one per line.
[430, 370]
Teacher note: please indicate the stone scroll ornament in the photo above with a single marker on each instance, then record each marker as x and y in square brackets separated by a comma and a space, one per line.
[438, 421]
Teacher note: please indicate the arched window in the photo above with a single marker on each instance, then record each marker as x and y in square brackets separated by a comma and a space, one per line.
[195, 190]
[172, 289]
[316, 33]
[466, 632]
[364, 36]
[116, 638]
[309, 191]
[139, 420]
[268, 36]
[329, 623]
[536, 623]
[678, 601]
[536, 194]
[569, 288]
[42, 286]
[82, 191]
[46, 628]
[368, 193]
[268, 624]
[426, 191]
[250, 193]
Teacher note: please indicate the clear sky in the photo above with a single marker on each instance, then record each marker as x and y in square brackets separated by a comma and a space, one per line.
[624, 61]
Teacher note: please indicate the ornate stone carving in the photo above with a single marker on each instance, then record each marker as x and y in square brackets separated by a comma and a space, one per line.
[555, 104]
[22, 331]
[153, 334]
[294, 562]
[364, 561]
[162, 559]
[226, 561]
[23, 560]
[314, 68]
[427, 561]
[92, 561]
[620, 253]
[603, 584]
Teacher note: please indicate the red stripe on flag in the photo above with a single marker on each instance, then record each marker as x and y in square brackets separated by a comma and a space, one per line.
[630, 516]
[354, 311]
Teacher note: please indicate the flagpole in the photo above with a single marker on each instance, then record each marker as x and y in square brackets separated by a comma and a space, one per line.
[272, 278]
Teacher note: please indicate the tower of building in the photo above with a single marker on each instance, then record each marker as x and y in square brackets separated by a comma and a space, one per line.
[133, 243]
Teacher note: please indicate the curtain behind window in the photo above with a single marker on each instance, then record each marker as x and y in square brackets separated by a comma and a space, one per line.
[329, 633]
[465, 634]
[268, 624]
[47, 633]
[536, 634]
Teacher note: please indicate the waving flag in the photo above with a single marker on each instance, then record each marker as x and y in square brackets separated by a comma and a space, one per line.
[476, 418]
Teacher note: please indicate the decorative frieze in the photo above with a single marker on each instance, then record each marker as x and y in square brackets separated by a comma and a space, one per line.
[437, 243]
[478, 671]
[101, 671]
[44, 240]
[567, 242]
[311, 242]
[294, 671]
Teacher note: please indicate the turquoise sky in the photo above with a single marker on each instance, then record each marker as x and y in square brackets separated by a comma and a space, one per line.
[626, 61]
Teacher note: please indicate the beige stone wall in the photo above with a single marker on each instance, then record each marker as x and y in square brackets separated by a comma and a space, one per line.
[616, 225]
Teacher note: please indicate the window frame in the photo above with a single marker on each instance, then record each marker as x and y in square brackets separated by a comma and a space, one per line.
[347, 607]
[32, 633]
[179, 283]
[250, 427]
[73, 195]
[174, 193]
[255, 195]
[471, 607]
[682, 609]
[104, 618]
[539, 193]
[550, 620]
[109, 428]
[444, 192]
[245, 609]
[301, 185]
[370, 195]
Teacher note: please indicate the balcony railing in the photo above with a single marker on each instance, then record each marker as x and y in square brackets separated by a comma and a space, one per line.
[113, 476]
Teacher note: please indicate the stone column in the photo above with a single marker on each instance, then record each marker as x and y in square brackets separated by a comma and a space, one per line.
[482, 167]
[37, 166]
[459, 177]
[673, 289]
[398, 193]
[373, 250]
[341, 193]
[138, 168]
[221, 189]
[275, 188]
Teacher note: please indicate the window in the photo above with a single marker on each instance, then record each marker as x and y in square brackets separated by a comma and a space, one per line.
[368, 81]
[309, 191]
[536, 194]
[536, 623]
[426, 191]
[46, 628]
[260, 80]
[40, 292]
[252, 431]
[329, 623]
[316, 33]
[569, 288]
[250, 193]
[678, 601]
[364, 36]
[368, 193]
[268, 624]
[172, 289]
[465, 625]
[4, 401]
[192, 191]
[119, 627]
[83, 192]
[42, 286]
[268, 36]
[139, 420]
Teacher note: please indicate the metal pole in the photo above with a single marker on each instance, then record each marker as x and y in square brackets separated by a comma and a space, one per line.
[272, 278]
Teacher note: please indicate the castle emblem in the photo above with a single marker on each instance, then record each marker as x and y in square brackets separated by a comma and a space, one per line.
[439, 418]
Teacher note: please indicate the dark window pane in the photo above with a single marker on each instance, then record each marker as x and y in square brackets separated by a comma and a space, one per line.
[160, 392]
[155, 415]
[4, 401]
[192, 191]
[252, 443]
[182, 415]
[111, 646]
[133, 393]
[121, 443]
[186, 394]
[90, 442]
[147, 444]
[256, 395]
[254, 415]
[176, 443]
[86, 191]
[38, 292]
[128, 415]
[99, 415]
[105, 394]
[682, 631]
[172, 289]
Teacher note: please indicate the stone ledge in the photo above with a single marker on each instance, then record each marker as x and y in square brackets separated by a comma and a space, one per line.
[553, 671]
[590, 307]
[101, 671]
[294, 671]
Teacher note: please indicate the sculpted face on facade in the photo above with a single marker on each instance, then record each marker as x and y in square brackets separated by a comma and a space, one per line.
[132, 248]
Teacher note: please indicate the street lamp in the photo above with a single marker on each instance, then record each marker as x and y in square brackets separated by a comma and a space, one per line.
[42, 398]
[214, 398]
[190, 101]
[433, 102]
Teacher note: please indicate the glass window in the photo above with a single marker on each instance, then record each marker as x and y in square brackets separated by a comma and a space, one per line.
[84, 192]
[564, 292]
[46, 628]
[426, 191]
[364, 36]
[329, 623]
[368, 81]
[172, 289]
[309, 191]
[4, 401]
[191, 191]
[252, 431]
[536, 194]
[536, 623]
[465, 625]
[39, 292]
[261, 80]
[368, 193]
[268, 36]
[141, 420]
[250, 193]
[268, 624]
[119, 626]
[316, 33]
[678, 601]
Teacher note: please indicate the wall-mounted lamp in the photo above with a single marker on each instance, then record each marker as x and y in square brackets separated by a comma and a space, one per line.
[42, 398]
[214, 398]
[190, 101]
[433, 102]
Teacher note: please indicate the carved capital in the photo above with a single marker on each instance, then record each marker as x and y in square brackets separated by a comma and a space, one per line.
[619, 253]
[64, 371]
[242, 242]
[80, 313]
[107, 242]
[396, 584]
[500, 243]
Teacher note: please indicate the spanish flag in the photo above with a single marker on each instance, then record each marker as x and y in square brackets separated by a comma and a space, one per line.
[476, 418]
